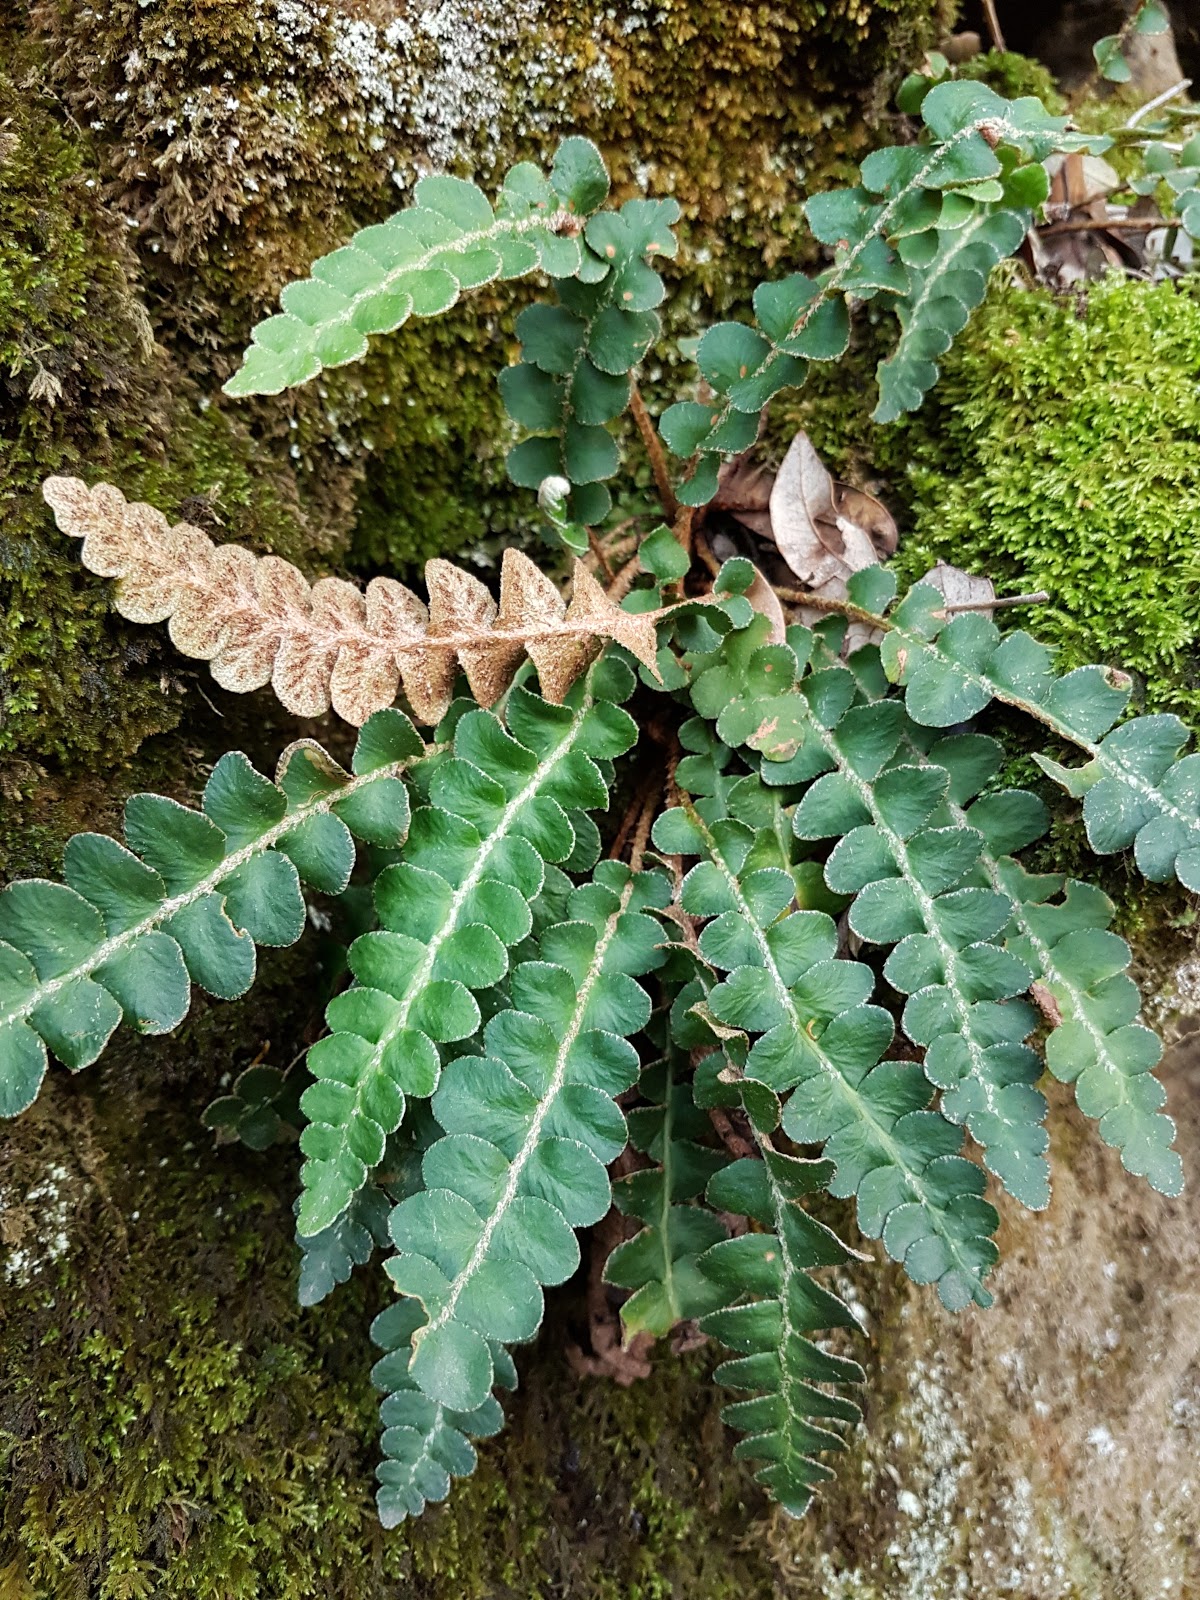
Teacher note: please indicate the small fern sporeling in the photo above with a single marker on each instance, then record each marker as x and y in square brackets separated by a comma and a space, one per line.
[687, 919]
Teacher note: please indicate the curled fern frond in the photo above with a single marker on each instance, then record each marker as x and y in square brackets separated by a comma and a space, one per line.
[186, 899]
[425, 1444]
[771, 1306]
[820, 1043]
[257, 620]
[418, 262]
[529, 1130]
[500, 809]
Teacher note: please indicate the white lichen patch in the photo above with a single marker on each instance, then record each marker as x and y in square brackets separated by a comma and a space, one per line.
[35, 1223]
[445, 77]
[1178, 997]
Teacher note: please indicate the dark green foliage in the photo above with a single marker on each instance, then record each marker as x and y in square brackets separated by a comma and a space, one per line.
[577, 355]
[254, 1109]
[661, 1264]
[836, 853]
[185, 900]
[793, 1413]
[500, 811]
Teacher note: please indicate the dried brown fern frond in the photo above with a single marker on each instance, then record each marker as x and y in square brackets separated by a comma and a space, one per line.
[258, 620]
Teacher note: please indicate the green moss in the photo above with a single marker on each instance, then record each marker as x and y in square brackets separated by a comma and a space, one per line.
[1014, 75]
[85, 389]
[736, 114]
[245, 142]
[174, 1425]
[1059, 452]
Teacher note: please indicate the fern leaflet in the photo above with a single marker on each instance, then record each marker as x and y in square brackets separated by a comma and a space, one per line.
[186, 898]
[660, 1264]
[530, 1128]
[424, 1443]
[419, 261]
[450, 910]
[819, 1039]
[788, 1418]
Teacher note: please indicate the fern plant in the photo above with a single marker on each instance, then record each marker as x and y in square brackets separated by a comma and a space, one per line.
[550, 986]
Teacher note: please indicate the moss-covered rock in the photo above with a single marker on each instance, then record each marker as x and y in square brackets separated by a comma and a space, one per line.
[167, 168]
[86, 387]
[1058, 451]
[171, 1423]
[174, 1425]
[1061, 451]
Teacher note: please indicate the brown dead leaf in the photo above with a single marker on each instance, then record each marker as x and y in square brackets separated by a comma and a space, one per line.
[744, 491]
[826, 530]
[961, 588]
[257, 620]
[1046, 1003]
[767, 603]
[609, 1357]
[1083, 235]
[1078, 180]
[823, 529]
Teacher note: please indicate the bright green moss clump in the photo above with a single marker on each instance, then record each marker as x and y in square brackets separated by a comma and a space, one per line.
[1061, 451]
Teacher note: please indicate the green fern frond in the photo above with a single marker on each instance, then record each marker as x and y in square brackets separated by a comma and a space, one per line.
[1136, 788]
[893, 236]
[819, 1039]
[186, 899]
[328, 1258]
[450, 910]
[425, 1444]
[1081, 978]
[908, 865]
[530, 1128]
[576, 357]
[418, 262]
[1096, 1041]
[789, 1418]
[945, 288]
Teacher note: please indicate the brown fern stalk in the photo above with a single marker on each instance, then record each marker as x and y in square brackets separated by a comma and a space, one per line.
[258, 620]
